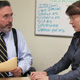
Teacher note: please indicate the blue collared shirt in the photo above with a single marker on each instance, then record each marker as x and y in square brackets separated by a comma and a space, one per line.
[24, 54]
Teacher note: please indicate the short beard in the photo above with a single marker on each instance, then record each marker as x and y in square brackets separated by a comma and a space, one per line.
[5, 29]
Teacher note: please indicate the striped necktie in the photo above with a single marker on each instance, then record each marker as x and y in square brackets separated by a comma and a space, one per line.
[3, 54]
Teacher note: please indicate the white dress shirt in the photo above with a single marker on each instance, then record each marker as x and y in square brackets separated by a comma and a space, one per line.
[24, 55]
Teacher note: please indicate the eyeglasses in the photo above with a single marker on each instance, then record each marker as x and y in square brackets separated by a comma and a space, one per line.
[7, 17]
[73, 17]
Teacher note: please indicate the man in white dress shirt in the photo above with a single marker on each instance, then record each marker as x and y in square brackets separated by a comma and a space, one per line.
[24, 55]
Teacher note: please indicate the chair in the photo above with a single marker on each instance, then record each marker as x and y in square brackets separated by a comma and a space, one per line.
[32, 69]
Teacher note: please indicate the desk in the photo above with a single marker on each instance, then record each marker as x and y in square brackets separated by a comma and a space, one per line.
[16, 78]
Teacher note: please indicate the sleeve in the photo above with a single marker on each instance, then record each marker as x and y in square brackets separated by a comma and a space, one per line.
[63, 64]
[72, 75]
[24, 54]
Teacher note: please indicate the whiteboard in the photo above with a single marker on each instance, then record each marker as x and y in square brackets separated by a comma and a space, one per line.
[51, 18]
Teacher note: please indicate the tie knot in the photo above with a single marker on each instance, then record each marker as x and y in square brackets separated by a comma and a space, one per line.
[2, 34]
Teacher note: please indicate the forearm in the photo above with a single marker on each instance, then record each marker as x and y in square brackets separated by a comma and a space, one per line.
[61, 65]
[73, 75]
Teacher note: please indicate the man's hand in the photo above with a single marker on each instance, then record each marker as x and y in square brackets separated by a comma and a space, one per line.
[17, 72]
[39, 76]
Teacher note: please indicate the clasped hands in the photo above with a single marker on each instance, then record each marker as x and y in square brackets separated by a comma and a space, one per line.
[39, 75]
